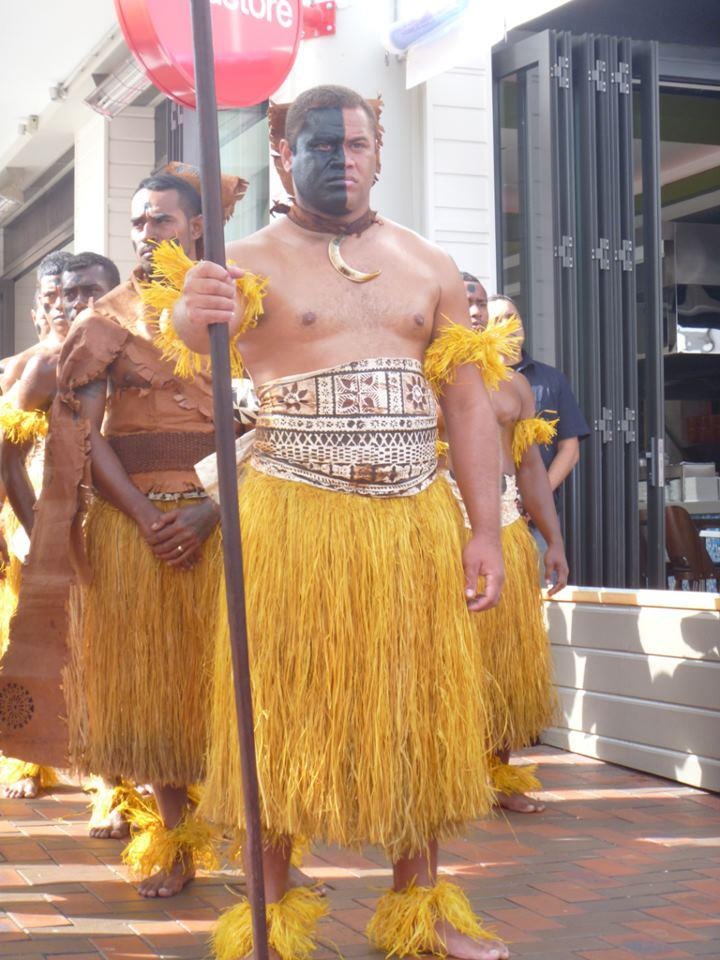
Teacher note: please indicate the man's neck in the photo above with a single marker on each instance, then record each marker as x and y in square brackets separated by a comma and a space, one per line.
[354, 222]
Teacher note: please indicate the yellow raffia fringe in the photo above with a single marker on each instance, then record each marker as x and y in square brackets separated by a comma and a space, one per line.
[20, 426]
[124, 797]
[12, 771]
[291, 926]
[442, 448]
[516, 647]
[404, 923]
[490, 350]
[300, 847]
[142, 711]
[157, 847]
[509, 778]
[170, 265]
[338, 759]
[530, 431]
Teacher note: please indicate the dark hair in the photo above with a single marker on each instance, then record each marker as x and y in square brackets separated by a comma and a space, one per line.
[469, 278]
[189, 197]
[81, 261]
[318, 98]
[53, 264]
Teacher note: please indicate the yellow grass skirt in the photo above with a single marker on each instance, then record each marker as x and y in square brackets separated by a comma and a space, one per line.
[144, 663]
[368, 680]
[517, 646]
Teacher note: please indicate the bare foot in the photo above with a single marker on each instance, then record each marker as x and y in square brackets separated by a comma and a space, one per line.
[519, 803]
[167, 883]
[114, 827]
[465, 948]
[25, 789]
[298, 878]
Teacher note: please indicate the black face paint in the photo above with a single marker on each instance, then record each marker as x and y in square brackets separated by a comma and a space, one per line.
[318, 167]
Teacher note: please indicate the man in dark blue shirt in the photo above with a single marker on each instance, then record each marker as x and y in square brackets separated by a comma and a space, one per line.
[554, 400]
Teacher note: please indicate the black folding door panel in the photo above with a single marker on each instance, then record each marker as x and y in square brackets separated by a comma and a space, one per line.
[602, 77]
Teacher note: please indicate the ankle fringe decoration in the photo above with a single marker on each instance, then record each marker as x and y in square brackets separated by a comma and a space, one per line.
[170, 265]
[12, 771]
[20, 426]
[487, 349]
[508, 778]
[124, 798]
[404, 922]
[154, 847]
[530, 431]
[291, 926]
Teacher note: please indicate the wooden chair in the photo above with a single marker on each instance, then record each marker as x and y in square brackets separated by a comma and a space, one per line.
[688, 559]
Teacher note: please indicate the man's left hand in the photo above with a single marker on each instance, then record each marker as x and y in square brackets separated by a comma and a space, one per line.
[556, 568]
[177, 537]
[482, 558]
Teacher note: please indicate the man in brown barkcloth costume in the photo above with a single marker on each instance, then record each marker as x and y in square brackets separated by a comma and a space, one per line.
[23, 425]
[361, 584]
[152, 542]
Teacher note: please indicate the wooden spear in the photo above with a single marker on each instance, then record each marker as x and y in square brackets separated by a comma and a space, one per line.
[214, 248]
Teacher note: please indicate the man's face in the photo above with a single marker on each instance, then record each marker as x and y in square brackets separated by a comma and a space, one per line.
[477, 304]
[334, 163]
[50, 313]
[80, 286]
[156, 216]
[503, 310]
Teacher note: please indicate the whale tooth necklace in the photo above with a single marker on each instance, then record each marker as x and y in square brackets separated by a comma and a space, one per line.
[320, 224]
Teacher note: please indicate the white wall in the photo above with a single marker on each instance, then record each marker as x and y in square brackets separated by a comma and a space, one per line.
[91, 185]
[459, 208]
[131, 156]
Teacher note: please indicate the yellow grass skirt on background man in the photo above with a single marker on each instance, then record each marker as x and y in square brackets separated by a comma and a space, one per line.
[516, 645]
[368, 680]
[144, 661]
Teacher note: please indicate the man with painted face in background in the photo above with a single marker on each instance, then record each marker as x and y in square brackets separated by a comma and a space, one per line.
[151, 542]
[361, 584]
[23, 418]
[48, 308]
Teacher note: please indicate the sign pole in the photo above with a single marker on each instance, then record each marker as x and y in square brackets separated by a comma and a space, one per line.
[214, 247]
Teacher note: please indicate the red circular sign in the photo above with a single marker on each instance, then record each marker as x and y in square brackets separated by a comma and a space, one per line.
[255, 42]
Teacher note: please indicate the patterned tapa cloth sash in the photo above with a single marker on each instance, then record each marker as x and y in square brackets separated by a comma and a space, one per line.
[367, 427]
[509, 509]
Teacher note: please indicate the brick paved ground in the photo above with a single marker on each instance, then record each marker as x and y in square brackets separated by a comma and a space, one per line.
[621, 866]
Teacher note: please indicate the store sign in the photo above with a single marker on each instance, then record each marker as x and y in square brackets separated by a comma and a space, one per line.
[255, 42]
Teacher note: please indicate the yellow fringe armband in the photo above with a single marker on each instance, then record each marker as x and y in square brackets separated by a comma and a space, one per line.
[157, 847]
[529, 431]
[12, 771]
[170, 265]
[19, 426]
[291, 926]
[490, 350]
[404, 923]
[442, 448]
[508, 778]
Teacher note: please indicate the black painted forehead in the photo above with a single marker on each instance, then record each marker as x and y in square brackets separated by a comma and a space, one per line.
[323, 120]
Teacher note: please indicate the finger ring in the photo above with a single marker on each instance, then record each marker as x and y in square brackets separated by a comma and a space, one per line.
[180, 549]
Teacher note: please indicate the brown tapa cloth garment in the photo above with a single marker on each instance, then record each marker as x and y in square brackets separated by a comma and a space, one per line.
[32, 705]
[277, 115]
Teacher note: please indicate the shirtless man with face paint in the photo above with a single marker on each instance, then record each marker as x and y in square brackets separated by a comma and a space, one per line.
[361, 591]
